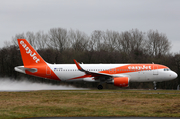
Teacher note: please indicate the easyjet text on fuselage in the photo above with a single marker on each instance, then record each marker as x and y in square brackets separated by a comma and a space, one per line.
[140, 67]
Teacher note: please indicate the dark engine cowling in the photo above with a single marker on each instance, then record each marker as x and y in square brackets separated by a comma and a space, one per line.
[121, 81]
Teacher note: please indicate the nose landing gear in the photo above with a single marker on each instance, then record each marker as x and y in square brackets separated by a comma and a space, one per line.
[155, 88]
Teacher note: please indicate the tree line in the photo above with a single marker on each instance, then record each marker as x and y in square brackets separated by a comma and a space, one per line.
[61, 46]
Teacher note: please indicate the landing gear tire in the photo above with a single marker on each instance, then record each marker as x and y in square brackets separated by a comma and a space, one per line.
[100, 87]
[155, 88]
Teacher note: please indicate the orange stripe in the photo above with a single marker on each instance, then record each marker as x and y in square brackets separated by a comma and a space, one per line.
[133, 68]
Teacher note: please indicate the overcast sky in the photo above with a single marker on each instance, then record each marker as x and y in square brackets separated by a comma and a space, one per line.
[18, 16]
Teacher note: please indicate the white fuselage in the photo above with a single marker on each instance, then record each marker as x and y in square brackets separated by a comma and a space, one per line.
[67, 72]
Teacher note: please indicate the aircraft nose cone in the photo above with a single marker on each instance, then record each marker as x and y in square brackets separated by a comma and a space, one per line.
[174, 75]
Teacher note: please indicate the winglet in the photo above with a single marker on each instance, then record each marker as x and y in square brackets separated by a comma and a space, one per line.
[92, 74]
[78, 66]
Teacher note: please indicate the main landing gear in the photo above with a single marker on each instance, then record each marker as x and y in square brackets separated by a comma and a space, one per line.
[100, 87]
[155, 88]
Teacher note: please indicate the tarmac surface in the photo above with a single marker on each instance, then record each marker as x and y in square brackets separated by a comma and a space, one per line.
[105, 118]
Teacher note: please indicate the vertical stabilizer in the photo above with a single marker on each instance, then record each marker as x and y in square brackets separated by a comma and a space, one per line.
[33, 62]
[29, 54]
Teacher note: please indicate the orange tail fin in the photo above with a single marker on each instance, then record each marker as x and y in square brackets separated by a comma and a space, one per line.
[33, 62]
[29, 54]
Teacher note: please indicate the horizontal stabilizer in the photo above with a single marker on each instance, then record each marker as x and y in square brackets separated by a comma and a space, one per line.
[22, 69]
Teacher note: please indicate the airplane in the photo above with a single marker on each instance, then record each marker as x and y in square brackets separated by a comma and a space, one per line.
[118, 74]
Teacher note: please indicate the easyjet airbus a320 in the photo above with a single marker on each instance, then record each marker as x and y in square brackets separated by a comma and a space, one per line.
[118, 74]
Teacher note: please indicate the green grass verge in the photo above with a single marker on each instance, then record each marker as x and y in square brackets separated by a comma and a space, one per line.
[160, 103]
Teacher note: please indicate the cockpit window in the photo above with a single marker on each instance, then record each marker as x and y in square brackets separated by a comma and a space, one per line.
[166, 69]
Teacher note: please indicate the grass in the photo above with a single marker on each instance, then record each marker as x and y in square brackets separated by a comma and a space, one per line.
[160, 103]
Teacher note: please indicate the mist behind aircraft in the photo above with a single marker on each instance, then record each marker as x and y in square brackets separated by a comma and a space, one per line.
[7, 84]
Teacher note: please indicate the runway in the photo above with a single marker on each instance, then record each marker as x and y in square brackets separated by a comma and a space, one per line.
[105, 118]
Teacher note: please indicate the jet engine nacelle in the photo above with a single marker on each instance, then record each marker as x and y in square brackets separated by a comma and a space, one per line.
[121, 81]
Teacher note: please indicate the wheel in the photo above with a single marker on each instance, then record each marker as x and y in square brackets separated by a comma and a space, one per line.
[100, 87]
